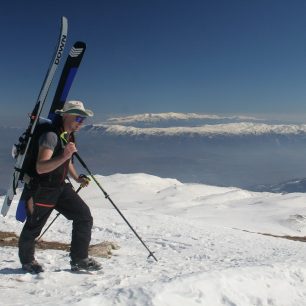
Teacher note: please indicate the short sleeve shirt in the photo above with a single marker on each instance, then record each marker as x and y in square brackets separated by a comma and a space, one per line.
[48, 140]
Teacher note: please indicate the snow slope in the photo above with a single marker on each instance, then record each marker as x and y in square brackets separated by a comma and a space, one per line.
[205, 256]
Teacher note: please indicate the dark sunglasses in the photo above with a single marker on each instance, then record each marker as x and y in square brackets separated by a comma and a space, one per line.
[79, 119]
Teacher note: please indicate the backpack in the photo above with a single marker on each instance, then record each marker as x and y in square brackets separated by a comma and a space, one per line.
[28, 169]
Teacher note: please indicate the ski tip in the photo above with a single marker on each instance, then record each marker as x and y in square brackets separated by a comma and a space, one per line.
[78, 49]
[79, 44]
[4, 211]
[6, 206]
[65, 24]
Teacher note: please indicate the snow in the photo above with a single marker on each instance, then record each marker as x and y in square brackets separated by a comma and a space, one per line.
[208, 241]
[229, 129]
[156, 117]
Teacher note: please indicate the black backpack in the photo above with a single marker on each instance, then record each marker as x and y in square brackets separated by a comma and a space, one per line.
[29, 165]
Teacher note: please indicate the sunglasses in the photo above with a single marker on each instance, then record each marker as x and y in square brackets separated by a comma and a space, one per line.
[79, 119]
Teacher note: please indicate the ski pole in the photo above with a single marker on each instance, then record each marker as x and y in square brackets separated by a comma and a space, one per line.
[151, 254]
[57, 215]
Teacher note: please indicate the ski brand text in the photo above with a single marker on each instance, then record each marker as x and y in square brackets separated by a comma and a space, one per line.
[61, 49]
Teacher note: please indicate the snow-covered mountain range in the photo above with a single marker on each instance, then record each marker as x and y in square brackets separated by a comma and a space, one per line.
[230, 129]
[157, 117]
[193, 124]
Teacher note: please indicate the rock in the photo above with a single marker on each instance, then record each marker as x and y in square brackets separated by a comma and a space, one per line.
[103, 249]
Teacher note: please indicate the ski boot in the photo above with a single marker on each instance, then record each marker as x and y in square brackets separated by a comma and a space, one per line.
[32, 267]
[85, 264]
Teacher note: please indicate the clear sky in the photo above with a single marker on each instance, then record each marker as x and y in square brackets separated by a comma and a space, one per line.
[215, 56]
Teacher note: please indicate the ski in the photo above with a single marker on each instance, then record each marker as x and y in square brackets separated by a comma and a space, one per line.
[68, 74]
[69, 71]
[24, 141]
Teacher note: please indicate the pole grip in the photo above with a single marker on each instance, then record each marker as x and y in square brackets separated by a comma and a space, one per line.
[64, 138]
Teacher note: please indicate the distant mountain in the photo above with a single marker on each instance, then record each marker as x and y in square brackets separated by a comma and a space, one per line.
[230, 129]
[295, 185]
[158, 117]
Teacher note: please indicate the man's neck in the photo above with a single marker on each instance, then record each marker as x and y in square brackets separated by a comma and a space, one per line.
[67, 128]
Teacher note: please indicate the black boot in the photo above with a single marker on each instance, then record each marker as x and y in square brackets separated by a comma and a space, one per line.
[86, 264]
[32, 267]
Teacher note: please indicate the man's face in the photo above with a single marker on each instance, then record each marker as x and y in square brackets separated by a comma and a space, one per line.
[73, 123]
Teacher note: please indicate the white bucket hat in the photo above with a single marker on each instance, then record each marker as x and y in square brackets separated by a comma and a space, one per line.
[75, 108]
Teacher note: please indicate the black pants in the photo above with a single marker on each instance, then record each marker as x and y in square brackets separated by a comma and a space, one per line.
[66, 201]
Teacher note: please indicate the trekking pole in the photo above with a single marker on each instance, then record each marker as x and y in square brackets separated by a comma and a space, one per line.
[151, 254]
[57, 215]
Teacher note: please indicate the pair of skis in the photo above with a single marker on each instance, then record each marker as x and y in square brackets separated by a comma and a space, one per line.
[69, 71]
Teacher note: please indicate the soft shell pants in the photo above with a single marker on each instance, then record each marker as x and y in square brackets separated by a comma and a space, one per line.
[66, 201]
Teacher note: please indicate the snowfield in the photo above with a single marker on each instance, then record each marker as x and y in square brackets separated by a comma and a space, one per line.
[208, 241]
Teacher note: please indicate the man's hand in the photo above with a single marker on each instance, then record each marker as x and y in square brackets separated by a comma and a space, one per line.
[83, 180]
[69, 150]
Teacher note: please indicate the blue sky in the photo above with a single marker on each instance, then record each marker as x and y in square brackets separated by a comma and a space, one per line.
[208, 56]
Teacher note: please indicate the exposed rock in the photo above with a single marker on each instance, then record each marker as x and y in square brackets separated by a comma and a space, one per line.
[103, 249]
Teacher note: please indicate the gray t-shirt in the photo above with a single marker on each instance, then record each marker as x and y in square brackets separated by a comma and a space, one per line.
[48, 140]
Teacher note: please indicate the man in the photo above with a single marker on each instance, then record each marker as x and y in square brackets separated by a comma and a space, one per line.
[52, 192]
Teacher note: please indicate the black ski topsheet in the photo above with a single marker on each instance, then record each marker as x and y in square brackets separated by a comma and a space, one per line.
[26, 137]
[68, 74]
[69, 71]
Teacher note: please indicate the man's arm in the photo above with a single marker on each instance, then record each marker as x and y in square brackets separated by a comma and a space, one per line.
[72, 171]
[45, 163]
